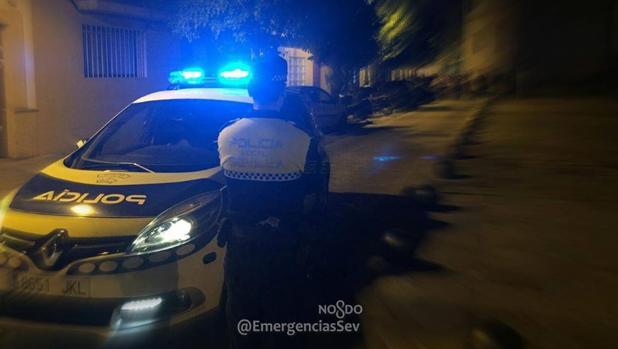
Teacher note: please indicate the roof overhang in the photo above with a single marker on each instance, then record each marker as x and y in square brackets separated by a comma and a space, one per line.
[117, 9]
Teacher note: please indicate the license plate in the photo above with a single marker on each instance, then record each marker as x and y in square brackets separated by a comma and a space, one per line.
[38, 284]
[31, 284]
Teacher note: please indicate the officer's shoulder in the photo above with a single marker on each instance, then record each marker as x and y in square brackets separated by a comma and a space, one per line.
[297, 129]
[229, 123]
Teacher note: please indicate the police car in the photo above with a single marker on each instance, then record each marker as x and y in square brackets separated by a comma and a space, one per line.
[126, 230]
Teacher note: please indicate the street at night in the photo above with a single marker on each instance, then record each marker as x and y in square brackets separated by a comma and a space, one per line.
[491, 250]
[363, 174]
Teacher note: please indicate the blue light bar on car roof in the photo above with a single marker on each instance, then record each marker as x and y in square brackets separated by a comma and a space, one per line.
[235, 74]
[188, 76]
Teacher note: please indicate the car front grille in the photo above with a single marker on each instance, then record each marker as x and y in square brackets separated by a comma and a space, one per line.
[72, 249]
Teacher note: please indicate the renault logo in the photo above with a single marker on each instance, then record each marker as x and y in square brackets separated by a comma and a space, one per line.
[51, 250]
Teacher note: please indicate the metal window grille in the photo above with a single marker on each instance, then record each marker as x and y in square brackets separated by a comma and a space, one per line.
[113, 52]
[296, 71]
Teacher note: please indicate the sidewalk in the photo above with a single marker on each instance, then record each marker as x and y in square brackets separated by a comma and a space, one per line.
[532, 241]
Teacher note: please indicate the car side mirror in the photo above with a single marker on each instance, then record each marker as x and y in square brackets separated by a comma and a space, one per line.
[80, 143]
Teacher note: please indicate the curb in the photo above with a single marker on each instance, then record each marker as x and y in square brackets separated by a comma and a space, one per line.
[445, 167]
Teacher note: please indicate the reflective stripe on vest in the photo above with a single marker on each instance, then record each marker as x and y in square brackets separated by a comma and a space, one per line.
[263, 149]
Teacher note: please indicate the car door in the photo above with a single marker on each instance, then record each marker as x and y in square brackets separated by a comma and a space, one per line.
[326, 111]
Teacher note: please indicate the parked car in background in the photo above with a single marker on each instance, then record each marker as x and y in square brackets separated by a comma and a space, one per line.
[357, 102]
[387, 96]
[448, 86]
[329, 114]
[401, 94]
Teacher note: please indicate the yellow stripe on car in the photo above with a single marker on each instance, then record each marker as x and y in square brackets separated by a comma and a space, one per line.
[59, 170]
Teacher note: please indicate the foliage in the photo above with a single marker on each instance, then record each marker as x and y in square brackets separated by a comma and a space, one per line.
[342, 34]
[339, 33]
[414, 31]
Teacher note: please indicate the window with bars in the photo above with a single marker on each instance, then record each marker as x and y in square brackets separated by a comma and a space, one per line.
[296, 71]
[113, 52]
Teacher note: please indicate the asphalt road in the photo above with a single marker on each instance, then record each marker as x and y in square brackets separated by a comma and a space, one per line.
[525, 238]
[395, 152]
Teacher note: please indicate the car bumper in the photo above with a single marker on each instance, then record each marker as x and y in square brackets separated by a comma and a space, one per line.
[16, 333]
[168, 295]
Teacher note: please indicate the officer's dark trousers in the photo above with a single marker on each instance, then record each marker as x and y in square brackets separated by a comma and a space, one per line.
[262, 279]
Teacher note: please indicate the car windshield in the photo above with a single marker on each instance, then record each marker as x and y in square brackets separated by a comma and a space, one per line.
[160, 136]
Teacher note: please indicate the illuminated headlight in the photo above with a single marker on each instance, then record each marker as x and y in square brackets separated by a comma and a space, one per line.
[179, 225]
[142, 305]
[148, 310]
[167, 234]
[138, 312]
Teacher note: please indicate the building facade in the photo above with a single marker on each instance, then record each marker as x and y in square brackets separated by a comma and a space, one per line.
[68, 66]
[303, 70]
[523, 46]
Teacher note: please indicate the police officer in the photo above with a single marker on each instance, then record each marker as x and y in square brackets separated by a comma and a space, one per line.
[263, 157]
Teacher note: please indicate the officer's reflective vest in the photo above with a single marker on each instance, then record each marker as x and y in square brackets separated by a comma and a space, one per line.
[263, 149]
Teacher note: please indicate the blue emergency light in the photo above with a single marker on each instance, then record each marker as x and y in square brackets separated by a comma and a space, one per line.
[233, 74]
[188, 76]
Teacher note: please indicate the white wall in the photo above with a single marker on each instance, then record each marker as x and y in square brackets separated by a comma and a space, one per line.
[67, 106]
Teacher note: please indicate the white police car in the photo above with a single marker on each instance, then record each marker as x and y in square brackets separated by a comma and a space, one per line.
[123, 232]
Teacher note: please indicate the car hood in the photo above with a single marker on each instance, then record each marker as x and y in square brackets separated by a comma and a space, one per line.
[96, 203]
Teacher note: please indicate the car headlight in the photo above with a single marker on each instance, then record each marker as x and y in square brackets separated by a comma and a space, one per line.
[180, 224]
